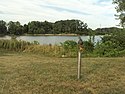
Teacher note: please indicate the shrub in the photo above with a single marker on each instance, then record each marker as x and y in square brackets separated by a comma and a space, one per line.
[69, 48]
[111, 45]
[88, 46]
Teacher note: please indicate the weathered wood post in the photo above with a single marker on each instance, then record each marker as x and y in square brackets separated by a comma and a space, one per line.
[79, 65]
[80, 48]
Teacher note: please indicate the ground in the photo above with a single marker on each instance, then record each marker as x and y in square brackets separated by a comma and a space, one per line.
[35, 74]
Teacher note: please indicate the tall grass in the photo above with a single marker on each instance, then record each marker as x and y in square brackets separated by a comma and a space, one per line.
[23, 46]
[47, 50]
[66, 49]
[13, 44]
[62, 50]
[51, 50]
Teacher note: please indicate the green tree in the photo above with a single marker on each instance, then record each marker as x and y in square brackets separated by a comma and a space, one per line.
[81, 27]
[15, 28]
[36, 27]
[70, 26]
[32, 27]
[110, 30]
[3, 28]
[120, 8]
[47, 26]
[25, 28]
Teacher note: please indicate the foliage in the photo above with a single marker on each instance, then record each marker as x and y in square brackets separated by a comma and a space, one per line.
[15, 28]
[88, 46]
[69, 44]
[69, 48]
[110, 30]
[70, 26]
[59, 27]
[106, 49]
[3, 28]
[117, 38]
[112, 45]
[37, 27]
[120, 8]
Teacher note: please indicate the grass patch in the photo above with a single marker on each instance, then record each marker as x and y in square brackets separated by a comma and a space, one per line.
[35, 74]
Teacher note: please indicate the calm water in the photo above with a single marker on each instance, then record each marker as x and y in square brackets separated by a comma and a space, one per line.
[52, 39]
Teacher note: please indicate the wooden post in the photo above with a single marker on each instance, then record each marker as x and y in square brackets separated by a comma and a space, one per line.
[79, 65]
[80, 46]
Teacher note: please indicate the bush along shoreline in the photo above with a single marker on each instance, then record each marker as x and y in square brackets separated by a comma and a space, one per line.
[110, 46]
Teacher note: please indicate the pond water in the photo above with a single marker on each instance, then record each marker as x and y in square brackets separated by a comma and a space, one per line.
[52, 39]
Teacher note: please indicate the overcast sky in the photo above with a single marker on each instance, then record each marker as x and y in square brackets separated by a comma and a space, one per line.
[96, 13]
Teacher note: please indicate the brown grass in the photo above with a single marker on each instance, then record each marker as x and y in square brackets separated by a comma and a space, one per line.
[35, 74]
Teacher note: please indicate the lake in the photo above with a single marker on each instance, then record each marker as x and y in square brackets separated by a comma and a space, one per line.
[52, 39]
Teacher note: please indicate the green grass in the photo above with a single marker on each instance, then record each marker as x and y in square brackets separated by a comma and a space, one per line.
[34, 74]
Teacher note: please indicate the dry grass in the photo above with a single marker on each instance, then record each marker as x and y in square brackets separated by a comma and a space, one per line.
[35, 74]
[48, 50]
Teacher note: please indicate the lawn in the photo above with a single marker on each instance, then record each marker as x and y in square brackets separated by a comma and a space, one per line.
[35, 74]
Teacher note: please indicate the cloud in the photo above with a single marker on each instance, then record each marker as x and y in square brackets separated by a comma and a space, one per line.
[60, 9]
[99, 1]
[1, 12]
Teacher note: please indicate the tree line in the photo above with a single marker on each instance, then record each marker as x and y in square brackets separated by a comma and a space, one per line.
[58, 27]
[37, 27]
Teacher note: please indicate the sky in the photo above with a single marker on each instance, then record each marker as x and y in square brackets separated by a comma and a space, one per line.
[96, 13]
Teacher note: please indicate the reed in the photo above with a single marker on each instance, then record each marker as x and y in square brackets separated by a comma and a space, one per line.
[46, 50]
[13, 44]
[34, 47]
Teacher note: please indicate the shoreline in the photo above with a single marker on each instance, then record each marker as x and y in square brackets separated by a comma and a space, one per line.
[50, 35]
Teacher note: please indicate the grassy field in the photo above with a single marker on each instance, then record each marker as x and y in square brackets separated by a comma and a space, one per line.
[35, 74]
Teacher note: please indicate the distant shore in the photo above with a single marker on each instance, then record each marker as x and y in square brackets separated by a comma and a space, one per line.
[50, 34]
[2, 35]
